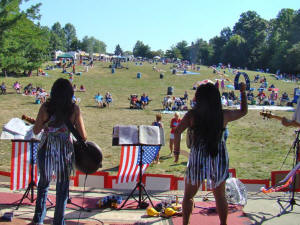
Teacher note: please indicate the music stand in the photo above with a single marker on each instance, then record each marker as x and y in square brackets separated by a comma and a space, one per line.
[140, 186]
[292, 201]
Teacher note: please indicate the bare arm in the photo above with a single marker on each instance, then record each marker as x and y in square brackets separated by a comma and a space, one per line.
[231, 115]
[41, 119]
[185, 123]
[79, 124]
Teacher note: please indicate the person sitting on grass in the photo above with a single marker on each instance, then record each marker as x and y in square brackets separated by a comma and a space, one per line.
[144, 100]
[3, 88]
[284, 99]
[99, 100]
[261, 96]
[108, 98]
[74, 87]
[167, 102]
[82, 88]
[17, 87]
[273, 98]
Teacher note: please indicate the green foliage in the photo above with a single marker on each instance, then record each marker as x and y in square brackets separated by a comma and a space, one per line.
[70, 34]
[293, 58]
[141, 50]
[24, 46]
[92, 45]
[118, 50]
[183, 49]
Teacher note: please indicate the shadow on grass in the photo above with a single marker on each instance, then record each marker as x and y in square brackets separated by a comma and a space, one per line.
[116, 168]
[165, 157]
[177, 164]
[93, 106]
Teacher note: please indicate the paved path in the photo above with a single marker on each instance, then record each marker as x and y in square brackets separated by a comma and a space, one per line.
[261, 209]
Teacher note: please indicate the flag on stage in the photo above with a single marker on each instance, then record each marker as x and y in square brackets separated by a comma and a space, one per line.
[130, 159]
[21, 166]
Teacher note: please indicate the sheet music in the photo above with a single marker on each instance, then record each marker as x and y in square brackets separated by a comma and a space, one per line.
[149, 135]
[128, 135]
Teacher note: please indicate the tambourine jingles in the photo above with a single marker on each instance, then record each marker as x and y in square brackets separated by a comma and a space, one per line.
[236, 80]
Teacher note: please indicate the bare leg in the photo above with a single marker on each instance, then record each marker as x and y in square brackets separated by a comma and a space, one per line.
[171, 146]
[221, 203]
[188, 202]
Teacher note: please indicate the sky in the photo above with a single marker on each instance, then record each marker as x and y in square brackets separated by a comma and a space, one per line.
[157, 23]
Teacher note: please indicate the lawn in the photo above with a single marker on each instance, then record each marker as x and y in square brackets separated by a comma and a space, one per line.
[256, 146]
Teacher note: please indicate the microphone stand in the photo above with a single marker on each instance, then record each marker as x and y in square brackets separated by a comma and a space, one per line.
[292, 201]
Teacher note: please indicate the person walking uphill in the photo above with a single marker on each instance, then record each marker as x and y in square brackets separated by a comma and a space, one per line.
[55, 157]
[208, 157]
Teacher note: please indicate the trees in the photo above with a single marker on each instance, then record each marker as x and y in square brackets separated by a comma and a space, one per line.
[92, 45]
[70, 36]
[184, 50]
[23, 44]
[173, 53]
[293, 58]
[57, 38]
[252, 28]
[141, 50]
[118, 50]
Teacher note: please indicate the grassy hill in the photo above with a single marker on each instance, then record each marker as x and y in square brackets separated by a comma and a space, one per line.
[255, 146]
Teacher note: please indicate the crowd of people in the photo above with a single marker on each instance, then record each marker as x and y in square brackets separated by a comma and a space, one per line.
[207, 120]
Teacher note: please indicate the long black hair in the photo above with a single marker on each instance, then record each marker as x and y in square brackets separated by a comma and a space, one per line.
[60, 103]
[208, 118]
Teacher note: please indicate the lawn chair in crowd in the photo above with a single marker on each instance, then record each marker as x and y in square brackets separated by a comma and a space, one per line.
[134, 102]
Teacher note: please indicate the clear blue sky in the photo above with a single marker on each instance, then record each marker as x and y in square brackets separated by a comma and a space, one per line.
[158, 23]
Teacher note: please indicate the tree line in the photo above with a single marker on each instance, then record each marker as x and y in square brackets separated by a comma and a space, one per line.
[25, 44]
[253, 42]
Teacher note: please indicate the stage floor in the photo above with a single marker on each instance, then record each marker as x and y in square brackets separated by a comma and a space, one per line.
[260, 209]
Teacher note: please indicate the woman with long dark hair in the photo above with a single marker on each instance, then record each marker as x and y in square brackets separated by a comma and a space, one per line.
[55, 155]
[208, 157]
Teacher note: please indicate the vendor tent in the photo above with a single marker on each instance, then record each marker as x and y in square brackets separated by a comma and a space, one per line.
[65, 56]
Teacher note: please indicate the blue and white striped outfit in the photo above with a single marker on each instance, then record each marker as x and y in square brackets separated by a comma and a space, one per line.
[202, 165]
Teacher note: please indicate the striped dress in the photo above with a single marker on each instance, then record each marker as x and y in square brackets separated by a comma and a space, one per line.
[202, 166]
[59, 152]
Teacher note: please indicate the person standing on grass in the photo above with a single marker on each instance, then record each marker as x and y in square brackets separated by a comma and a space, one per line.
[159, 124]
[208, 158]
[55, 156]
[174, 123]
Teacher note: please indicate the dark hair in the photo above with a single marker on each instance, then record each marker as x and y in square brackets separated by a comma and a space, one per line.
[60, 103]
[208, 118]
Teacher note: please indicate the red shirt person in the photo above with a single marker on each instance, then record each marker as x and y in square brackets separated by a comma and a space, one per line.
[174, 123]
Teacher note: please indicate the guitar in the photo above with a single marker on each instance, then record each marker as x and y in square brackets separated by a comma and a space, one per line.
[269, 115]
[28, 119]
[88, 158]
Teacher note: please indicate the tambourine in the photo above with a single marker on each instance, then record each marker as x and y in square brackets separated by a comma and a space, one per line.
[236, 81]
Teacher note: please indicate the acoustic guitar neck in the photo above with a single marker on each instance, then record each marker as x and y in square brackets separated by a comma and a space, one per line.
[28, 119]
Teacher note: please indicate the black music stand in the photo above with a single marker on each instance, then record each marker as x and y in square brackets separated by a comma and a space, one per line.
[141, 188]
[292, 201]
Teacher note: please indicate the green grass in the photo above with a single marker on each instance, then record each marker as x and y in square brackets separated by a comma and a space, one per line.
[255, 146]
